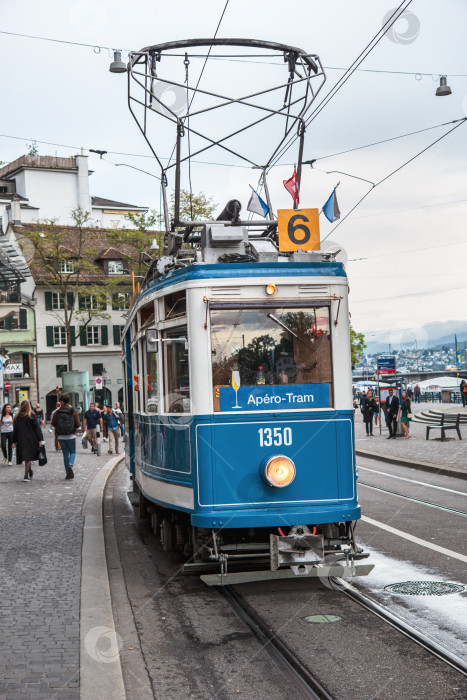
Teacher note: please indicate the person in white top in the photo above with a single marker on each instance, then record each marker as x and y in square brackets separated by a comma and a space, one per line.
[6, 432]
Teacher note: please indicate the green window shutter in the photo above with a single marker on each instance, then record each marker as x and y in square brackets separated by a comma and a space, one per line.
[70, 299]
[9, 323]
[114, 302]
[73, 335]
[103, 305]
[116, 330]
[104, 335]
[49, 330]
[82, 303]
[83, 340]
[48, 302]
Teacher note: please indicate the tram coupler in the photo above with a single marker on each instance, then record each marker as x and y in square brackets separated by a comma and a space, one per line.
[299, 550]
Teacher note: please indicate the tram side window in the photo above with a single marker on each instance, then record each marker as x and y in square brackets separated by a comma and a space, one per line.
[176, 370]
[152, 384]
[270, 346]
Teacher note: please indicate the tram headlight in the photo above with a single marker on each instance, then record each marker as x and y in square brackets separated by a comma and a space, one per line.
[278, 471]
[270, 289]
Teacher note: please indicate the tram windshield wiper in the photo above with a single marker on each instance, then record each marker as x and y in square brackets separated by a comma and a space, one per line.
[289, 330]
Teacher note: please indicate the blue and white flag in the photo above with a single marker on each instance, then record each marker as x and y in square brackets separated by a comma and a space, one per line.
[331, 209]
[257, 205]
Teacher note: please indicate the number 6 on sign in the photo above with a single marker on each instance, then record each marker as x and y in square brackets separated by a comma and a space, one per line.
[298, 228]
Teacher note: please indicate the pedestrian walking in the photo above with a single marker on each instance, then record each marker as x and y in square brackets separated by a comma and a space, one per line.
[121, 418]
[362, 399]
[92, 419]
[410, 392]
[110, 419]
[376, 411]
[27, 438]
[54, 430]
[368, 409]
[406, 414]
[6, 431]
[417, 394]
[463, 390]
[66, 421]
[392, 409]
[15, 409]
[39, 415]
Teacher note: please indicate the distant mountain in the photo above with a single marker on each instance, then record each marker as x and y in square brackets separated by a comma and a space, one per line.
[430, 335]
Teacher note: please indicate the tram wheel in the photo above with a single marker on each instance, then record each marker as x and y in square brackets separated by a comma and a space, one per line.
[167, 538]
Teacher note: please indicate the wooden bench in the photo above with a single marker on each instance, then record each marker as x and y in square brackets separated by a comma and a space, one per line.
[446, 422]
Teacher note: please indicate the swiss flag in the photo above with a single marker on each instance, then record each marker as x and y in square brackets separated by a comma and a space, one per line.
[291, 185]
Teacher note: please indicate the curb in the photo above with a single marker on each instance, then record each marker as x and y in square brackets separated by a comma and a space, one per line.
[423, 466]
[100, 668]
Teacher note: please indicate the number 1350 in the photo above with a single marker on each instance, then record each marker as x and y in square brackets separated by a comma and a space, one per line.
[275, 436]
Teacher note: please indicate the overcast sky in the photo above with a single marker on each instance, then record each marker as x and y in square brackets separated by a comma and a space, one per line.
[406, 243]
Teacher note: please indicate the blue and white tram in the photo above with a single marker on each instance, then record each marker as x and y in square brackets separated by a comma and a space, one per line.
[241, 424]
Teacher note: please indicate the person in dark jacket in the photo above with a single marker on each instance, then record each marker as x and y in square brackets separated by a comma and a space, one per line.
[392, 409]
[406, 410]
[66, 422]
[27, 438]
[463, 390]
[369, 409]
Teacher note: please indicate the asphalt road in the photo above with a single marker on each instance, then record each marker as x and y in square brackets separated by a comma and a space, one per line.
[398, 559]
[188, 643]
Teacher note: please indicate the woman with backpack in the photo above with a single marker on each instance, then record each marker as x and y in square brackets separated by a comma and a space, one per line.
[27, 437]
[66, 422]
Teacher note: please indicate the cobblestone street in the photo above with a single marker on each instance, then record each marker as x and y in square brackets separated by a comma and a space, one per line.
[41, 536]
[451, 453]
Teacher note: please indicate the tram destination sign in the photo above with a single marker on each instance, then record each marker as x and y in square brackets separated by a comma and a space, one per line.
[298, 229]
[386, 365]
[272, 397]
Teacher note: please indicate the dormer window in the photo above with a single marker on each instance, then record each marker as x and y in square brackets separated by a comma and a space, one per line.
[115, 267]
[67, 267]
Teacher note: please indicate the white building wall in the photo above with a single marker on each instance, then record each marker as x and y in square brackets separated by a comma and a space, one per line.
[84, 356]
[55, 192]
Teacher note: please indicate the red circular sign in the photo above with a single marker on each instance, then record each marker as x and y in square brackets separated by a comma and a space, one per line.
[98, 380]
[7, 385]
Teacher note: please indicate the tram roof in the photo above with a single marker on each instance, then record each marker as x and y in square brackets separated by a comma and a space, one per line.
[237, 271]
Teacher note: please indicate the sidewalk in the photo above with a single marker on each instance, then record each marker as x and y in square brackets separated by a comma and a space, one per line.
[448, 455]
[41, 535]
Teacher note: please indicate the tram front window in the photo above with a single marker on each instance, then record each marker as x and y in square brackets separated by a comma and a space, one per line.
[275, 347]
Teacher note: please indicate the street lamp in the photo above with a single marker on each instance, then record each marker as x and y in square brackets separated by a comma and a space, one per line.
[117, 65]
[443, 88]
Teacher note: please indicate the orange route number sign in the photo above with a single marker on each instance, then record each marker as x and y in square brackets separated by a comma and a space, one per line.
[298, 228]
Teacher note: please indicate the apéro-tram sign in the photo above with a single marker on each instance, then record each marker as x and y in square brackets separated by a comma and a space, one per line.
[298, 229]
[264, 397]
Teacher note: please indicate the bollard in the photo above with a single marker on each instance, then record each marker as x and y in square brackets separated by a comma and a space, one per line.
[98, 440]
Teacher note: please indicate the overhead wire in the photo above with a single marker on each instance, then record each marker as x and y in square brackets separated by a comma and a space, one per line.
[236, 165]
[230, 57]
[347, 75]
[393, 172]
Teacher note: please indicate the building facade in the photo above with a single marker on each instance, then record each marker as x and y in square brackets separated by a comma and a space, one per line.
[32, 330]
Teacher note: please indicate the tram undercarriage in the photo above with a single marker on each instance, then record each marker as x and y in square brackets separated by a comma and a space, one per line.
[232, 556]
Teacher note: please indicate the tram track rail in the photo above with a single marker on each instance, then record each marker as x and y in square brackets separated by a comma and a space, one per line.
[424, 502]
[404, 627]
[305, 683]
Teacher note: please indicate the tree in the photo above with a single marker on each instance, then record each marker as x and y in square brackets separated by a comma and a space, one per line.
[196, 207]
[67, 260]
[140, 238]
[32, 149]
[357, 345]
